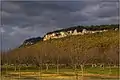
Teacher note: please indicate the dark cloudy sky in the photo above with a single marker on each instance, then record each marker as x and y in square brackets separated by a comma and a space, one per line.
[25, 19]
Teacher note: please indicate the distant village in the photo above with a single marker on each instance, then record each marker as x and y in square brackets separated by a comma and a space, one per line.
[65, 33]
[68, 33]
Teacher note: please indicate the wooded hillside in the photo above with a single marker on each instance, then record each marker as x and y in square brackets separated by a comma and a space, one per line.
[96, 48]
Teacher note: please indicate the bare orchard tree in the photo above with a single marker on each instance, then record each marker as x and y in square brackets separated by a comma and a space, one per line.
[74, 60]
[113, 57]
[57, 64]
[46, 61]
[82, 56]
[19, 66]
[38, 62]
[15, 64]
[6, 63]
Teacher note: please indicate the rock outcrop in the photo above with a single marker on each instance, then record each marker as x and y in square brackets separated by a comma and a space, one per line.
[31, 41]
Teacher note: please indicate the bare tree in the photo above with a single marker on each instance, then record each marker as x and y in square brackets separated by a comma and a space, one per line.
[57, 64]
[19, 66]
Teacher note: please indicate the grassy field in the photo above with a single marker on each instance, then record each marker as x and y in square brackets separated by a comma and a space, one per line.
[89, 73]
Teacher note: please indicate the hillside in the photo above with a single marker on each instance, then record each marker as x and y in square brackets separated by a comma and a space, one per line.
[80, 49]
[76, 30]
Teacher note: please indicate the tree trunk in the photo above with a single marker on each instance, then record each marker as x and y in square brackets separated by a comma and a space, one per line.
[77, 77]
[92, 65]
[76, 73]
[19, 72]
[82, 69]
[6, 69]
[57, 68]
[39, 72]
[58, 65]
[95, 65]
[15, 68]
[75, 67]
[103, 67]
[47, 66]
[110, 71]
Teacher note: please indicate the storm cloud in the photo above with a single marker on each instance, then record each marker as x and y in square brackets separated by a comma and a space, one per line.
[25, 19]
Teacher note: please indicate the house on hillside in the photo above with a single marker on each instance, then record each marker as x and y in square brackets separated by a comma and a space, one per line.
[62, 34]
[69, 32]
[77, 31]
[47, 37]
[84, 31]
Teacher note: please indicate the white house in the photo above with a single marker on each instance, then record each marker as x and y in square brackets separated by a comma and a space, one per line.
[64, 34]
[84, 31]
[75, 32]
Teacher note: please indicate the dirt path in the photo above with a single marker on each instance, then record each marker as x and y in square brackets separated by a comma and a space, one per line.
[62, 75]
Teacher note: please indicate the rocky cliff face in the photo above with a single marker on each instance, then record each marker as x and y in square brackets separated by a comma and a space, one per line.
[31, 41]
